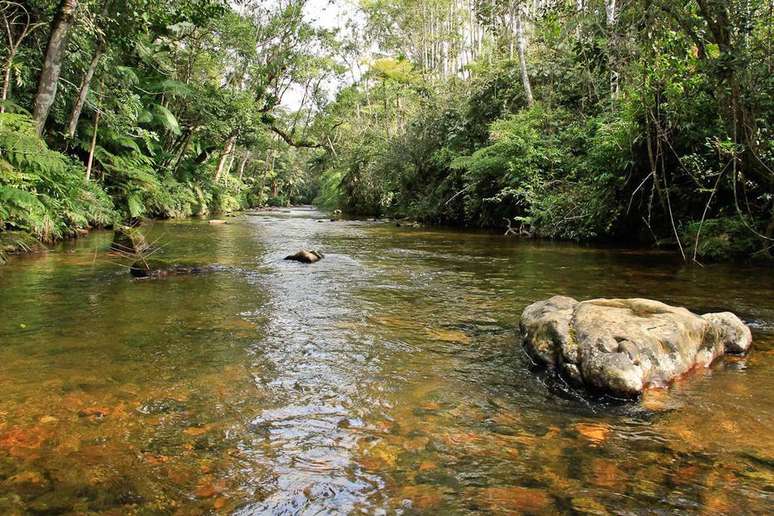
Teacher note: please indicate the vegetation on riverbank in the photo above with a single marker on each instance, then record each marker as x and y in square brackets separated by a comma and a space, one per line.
[645, 121]
[113, 111]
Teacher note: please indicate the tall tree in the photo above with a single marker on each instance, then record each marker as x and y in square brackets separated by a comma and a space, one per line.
[611, 16]
[522, 44]
[52, 62]
[83, 90]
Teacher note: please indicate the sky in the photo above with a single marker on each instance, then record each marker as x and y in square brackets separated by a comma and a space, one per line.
[327, 14]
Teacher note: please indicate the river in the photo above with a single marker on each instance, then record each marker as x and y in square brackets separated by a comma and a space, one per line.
[386, 378]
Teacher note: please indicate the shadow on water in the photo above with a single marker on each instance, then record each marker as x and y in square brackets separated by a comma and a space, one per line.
[386, 378]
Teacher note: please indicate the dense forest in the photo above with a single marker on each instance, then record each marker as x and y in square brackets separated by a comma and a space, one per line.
[644, 121]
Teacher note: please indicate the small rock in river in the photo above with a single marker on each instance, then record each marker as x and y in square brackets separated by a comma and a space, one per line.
[595, 432]
[586, 505]
[516, 499]
[162, 406]
[736, 335]
[94, 412]
[32, 478]
[623, 346]
[305, 256]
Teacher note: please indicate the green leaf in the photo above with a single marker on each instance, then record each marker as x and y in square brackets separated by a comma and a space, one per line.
[166, 119]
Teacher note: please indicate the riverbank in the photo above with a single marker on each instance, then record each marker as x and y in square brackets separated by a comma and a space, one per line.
[16, 242]
[20, 242]
[52, 195]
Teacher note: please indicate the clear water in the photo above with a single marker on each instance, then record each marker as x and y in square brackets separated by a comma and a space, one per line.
[385, 378]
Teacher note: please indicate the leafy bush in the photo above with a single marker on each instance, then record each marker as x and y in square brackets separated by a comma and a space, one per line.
[227, 195]
[329, 196]
[721, 238]
[42, 191]
[535, 171]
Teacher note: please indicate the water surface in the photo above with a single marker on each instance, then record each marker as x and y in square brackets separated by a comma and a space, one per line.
[385, 378]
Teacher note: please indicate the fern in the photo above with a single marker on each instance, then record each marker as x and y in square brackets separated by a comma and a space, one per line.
[166, 119]
[42, 191]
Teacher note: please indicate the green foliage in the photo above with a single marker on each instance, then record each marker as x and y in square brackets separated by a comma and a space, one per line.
[683, 133]
[538, 170]
[329, 196]
[722, 238]
[43, 191]
[166, 119]
[640, 126]
[130, 179]
[16, 241]
[180, 89]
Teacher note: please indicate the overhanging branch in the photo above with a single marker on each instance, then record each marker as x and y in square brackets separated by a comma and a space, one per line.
[293, 143]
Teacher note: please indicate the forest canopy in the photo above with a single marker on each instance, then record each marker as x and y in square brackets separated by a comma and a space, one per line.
[645, 121]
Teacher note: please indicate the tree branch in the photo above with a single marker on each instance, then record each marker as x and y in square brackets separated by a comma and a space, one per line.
[290, 141]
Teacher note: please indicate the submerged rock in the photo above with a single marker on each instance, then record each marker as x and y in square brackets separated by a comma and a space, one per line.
[162, 406]
[305, 256]
[161, 269]
[623, 346]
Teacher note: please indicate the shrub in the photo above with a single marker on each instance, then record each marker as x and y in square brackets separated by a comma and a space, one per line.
[42, 191]
[536, 170]
[721, 238]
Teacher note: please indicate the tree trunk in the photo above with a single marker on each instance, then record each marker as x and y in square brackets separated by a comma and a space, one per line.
[93, 146]
[243, 165]
[183, 147]
[522, 44]
[227, 150]
[83, 92]
[739, 116]
[230, 163]
[610, 17]
[7, 79]
[579, 11]
[52, 63]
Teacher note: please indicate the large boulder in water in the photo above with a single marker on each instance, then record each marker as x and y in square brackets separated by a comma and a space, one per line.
[623, 346]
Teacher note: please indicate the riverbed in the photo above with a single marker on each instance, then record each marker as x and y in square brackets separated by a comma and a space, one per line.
[386, 378]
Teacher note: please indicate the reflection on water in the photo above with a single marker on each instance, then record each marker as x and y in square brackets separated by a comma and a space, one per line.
[385, 378]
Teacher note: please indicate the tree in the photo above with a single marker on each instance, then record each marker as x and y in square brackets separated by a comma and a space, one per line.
[611, 16]
[83, 90]
[17, 23]
[52, 62]
[523, 56]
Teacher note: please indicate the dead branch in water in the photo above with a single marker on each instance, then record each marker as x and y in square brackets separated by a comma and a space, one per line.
[519, 231]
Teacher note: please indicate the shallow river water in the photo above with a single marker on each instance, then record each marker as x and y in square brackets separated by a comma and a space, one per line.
[387, 378]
